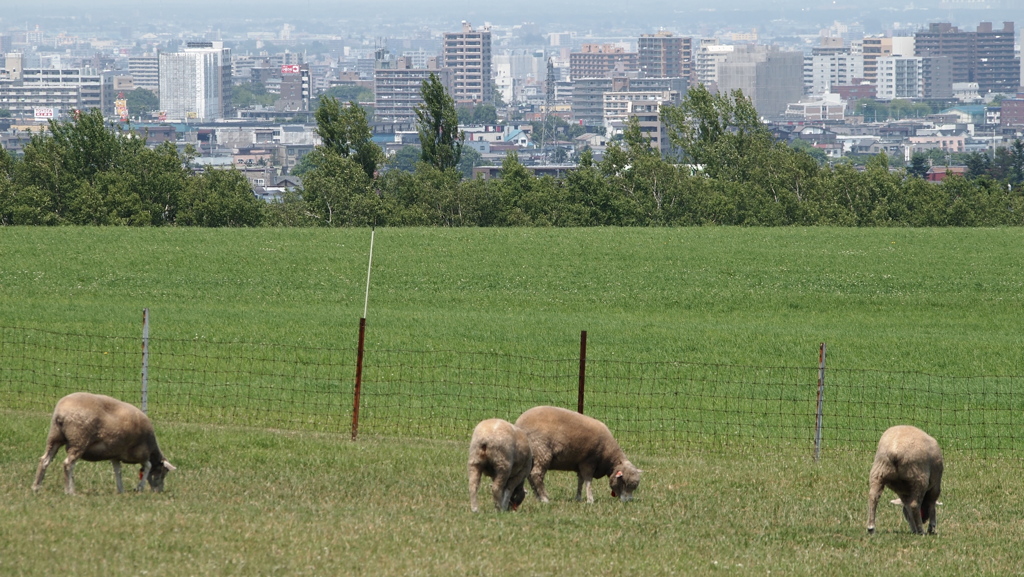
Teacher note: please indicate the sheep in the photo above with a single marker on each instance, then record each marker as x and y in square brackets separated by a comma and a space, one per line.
[563, 440]
[500, 450]
[100, 428]
[909, 462]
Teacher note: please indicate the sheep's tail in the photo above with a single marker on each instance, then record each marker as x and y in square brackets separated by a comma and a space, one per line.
[480, 452]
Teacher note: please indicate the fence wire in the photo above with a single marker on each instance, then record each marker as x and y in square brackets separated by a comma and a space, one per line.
[443, 394]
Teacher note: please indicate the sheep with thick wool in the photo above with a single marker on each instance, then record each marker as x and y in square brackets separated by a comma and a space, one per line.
[102, 428]
[564, 440]
[501, 451]
[909, 462]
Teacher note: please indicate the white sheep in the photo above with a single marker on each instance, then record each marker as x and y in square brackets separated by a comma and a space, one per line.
[501, 451]
[909, 462]
[564, 440]
[101, 428]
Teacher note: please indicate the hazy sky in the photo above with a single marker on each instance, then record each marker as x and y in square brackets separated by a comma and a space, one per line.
[604, 12]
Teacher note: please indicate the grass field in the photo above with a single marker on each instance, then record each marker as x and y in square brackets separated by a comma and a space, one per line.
[259, 501]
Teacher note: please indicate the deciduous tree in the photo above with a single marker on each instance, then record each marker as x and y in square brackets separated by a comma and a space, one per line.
[438, 126]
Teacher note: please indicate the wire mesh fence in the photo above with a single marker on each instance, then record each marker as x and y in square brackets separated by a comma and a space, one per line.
[443, 394]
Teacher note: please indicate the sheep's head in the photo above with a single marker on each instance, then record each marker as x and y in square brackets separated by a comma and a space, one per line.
[518, 494]
[157, 474]
[624, 481]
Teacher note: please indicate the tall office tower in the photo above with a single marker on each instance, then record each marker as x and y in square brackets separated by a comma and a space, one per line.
[663, 55]
[468, 54]
[985, 56]
[195, 84]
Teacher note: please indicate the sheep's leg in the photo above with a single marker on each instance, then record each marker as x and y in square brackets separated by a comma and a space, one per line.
[929, 510]
[51, 451]
[873, 495]
[474, 486]
[117, 475]
[500, 492]
[146, 467]
[584, 477]
[928, 513]
[537, 481]
[912, 512]
[69, 470]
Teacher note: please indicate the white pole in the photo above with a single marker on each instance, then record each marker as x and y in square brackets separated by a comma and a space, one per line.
[366, 303]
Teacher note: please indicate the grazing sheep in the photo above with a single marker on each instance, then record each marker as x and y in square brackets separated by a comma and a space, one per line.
[501, 451]
[564, 440]
[909, 462]
[100, 428]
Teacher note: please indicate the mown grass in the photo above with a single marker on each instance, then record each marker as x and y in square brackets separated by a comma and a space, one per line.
[256, 500]
[265, 502]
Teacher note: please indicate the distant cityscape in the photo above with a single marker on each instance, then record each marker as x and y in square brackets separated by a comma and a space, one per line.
[245, 98]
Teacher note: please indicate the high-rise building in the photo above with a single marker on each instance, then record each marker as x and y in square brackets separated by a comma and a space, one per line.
[899, 77]
[706, 59]
[468, 54]
[663, 55]
[295, 88]
[985, 56]
[145, 71]
[831, 66]
[770, 77]
[45, 93]
[397, 85]
[875, 47]
[643, 105]
[195, 84]
[601, 61]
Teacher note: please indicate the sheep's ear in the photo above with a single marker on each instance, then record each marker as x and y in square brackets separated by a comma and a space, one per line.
[167, 464]
[618, 474]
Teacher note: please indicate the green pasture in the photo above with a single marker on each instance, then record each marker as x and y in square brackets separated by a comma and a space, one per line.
[702, 355]
[267, 502]
[944, 301]
[694, 335]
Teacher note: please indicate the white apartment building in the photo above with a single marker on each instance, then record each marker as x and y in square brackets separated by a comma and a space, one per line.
[707, 57]
[468, 54]
[899, 77]
[196, 84]
[145, 71]
[644, 105]
[45, 93]
[822, 71]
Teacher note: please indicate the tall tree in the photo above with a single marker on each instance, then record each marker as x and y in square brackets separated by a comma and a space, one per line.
[716, 131]
[438, 126]
[141, 102]
[345, 131]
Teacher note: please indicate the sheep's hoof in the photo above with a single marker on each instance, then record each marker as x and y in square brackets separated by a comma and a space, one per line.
[871, 530]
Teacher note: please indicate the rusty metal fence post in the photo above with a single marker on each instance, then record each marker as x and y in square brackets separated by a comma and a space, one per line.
[145, 360]
[821, 402]
[583, 372]
[359, 378]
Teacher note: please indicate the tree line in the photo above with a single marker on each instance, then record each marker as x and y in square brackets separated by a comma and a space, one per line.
[725, 169]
